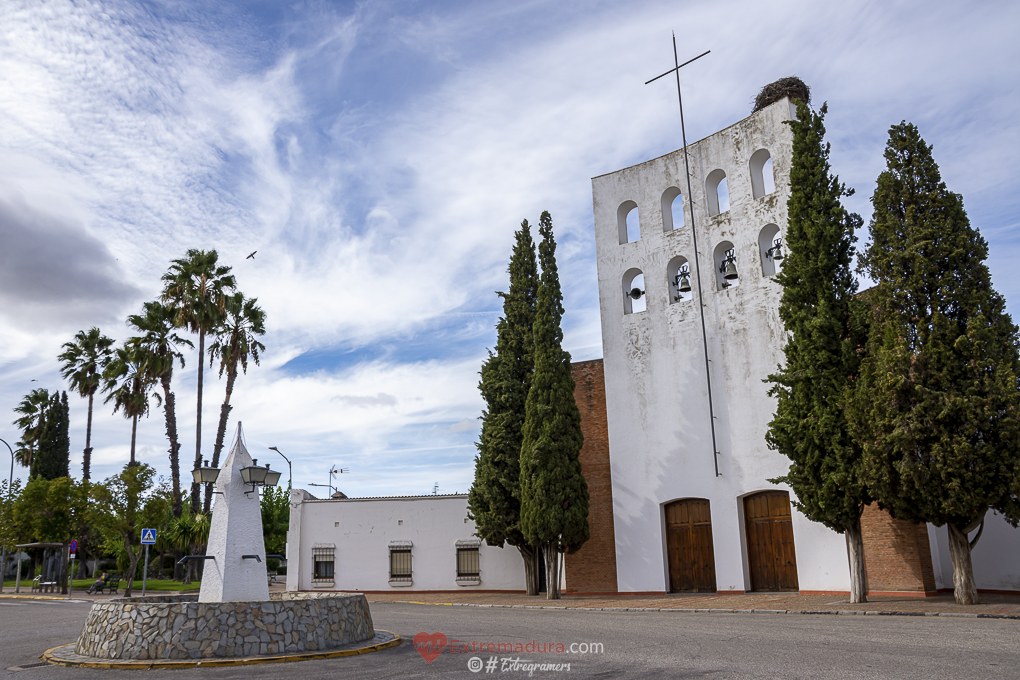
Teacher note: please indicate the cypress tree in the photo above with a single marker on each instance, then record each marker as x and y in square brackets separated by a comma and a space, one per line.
[52, 459]
[810, 425]
[554, 493]
[495, 496]
[937, 406]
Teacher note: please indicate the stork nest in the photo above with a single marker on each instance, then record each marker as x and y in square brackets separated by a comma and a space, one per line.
[792, 87]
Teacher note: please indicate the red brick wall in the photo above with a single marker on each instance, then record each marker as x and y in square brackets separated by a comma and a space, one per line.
[593, 568]
[897, 555]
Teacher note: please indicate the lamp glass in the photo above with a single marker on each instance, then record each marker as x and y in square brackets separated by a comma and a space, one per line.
[205, 475]
[272, 478]
[254, 475]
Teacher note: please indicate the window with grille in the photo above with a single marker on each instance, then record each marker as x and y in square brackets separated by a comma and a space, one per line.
[400, 564]
[467, 563]
[323, 559]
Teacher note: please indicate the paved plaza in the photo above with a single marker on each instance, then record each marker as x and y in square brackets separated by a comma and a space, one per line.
[620, 644]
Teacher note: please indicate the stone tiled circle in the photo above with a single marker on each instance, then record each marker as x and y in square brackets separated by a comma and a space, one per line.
[179, 627]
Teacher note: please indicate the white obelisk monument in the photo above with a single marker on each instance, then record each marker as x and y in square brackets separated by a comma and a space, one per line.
[235, 531]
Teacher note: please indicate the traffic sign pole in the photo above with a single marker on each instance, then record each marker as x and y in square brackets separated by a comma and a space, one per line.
[148, 538]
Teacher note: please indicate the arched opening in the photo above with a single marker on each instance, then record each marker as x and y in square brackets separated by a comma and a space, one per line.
[772, 250]
[627, 220]
[717, 193]
[672, 209]
[726, 273]
[771, 558]
[689, 549]
[680, 279]
[763, 180]
[633, 291]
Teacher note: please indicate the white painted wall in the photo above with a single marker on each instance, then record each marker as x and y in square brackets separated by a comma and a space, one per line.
[659, 436]
[996, 557]
[363, 528]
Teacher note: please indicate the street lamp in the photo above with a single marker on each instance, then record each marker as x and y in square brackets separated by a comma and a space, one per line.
[3, 551]
[290, 472]
[259, 476]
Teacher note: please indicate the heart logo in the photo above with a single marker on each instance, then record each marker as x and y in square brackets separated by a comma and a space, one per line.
[430, 646]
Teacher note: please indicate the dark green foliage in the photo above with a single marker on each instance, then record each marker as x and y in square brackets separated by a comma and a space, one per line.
[937, 410]
[494, 499]
[275, 518]
[52, 459]
[810, 425]
[554, 493]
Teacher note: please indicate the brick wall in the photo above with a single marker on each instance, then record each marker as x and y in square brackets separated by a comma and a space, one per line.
[592, 569]
[897, 555]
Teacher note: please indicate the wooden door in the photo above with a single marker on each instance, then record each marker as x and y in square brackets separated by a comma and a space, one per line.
[691, 555]
[770, 552]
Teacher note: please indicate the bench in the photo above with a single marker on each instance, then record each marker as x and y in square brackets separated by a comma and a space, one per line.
[43, 586]
[272, 577]
[110, 586]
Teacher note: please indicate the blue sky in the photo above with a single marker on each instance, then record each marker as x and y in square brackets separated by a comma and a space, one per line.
[379, 157]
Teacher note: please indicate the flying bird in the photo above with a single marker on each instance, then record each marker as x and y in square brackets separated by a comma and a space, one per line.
[252, 256]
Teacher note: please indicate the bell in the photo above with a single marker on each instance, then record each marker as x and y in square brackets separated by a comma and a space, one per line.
[730, 272]
[685, 284]
[777, 250]
[636, 293]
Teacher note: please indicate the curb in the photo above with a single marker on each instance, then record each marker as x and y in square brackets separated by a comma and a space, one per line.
[828, 612]
[35, 597]
[50, 657]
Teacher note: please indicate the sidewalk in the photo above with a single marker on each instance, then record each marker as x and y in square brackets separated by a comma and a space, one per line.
[991, 604]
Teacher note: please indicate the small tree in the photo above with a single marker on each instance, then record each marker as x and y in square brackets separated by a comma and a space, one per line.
[495, 496]
[554, 493]
[52, 457]
[275, 518]
[938, 403]
[118, 505]
[810, 426]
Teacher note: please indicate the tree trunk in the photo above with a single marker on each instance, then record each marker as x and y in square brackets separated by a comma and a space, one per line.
[855, 553]
[134, 431]
[530, 557]
[552, 570]
[196, 505]
[178, 568]
[964, 588]
[87, 459]
[171, 434]
[130, 575]
[221, 429]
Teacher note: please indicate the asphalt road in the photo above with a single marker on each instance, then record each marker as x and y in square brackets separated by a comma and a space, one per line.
[636, 645]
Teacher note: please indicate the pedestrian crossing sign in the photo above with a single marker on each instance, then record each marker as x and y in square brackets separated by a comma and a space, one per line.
[148, 536]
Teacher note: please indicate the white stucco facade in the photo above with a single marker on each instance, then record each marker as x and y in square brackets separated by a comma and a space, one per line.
[362, 531]
[656, 389]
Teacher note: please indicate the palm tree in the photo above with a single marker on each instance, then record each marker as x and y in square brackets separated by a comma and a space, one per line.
[128, 381]
[83, 364]
[235, 342]
[33, 416]
[159, 344]
[189, 533]
[195, 288]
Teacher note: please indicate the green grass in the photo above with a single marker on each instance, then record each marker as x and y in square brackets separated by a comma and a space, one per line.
[154, 585]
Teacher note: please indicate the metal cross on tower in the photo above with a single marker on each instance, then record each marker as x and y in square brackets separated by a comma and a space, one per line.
[697, 266]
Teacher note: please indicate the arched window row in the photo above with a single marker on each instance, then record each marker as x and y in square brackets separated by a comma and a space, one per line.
[763, 182]
[727, 270]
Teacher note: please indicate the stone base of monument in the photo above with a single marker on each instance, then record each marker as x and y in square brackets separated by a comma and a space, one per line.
[178, 628]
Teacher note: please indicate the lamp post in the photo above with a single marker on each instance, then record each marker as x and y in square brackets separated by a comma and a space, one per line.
[290, 472]
[3, 551]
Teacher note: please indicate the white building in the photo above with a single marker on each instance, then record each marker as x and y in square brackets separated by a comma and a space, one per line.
[667, 512]
[390, 544]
